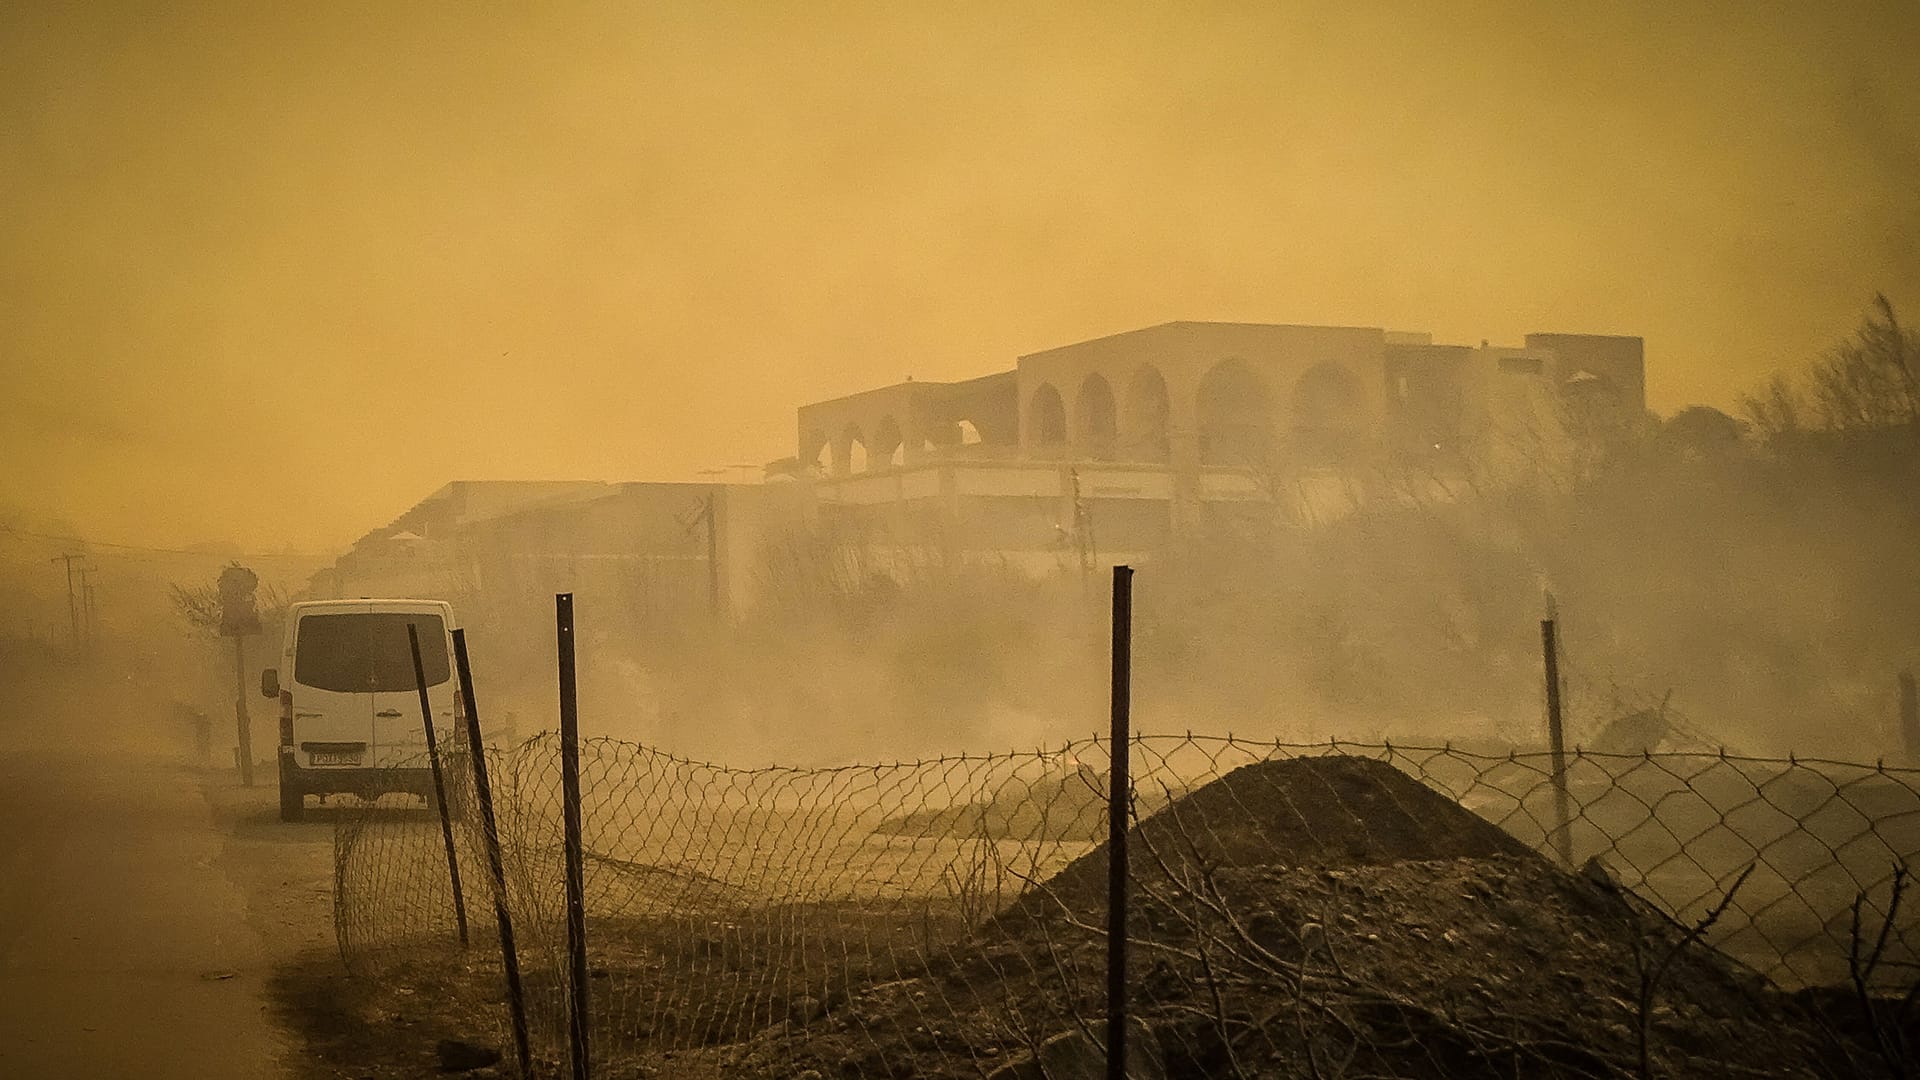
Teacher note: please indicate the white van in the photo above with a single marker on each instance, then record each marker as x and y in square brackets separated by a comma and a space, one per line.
[349, 704]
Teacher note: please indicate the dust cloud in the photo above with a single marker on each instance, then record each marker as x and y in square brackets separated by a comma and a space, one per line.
[1712, 589]
[487, 302]
[267, 279]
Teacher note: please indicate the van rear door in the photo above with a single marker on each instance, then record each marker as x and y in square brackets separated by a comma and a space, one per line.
[332, 713]
[398, 737]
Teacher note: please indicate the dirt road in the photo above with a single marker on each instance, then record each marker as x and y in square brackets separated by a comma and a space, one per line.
[143, 901]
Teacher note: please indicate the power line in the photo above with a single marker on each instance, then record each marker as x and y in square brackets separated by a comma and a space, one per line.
[150, 549]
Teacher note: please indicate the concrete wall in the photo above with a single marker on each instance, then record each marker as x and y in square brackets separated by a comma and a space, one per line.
[1183, 356]
[1620, 361]
[1474, 414]
[639, 547]
[906, 423]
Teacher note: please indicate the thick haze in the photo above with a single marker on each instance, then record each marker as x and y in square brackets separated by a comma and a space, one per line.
[271, 275]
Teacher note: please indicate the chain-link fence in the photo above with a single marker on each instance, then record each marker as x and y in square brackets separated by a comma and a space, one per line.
[1327, 910]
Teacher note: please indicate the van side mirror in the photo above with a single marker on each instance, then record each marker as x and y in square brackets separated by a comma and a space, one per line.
[270, 683]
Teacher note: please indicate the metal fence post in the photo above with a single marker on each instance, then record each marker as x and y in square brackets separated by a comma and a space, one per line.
[1121, 785]
[439, 783]
[578, 1011]
[1562, 836]
[490, 832]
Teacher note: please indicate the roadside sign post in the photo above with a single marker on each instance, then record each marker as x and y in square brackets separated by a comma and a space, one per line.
[244, 722]
[238, 618]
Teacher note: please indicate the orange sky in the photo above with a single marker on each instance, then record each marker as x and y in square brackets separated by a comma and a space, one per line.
[270, 274]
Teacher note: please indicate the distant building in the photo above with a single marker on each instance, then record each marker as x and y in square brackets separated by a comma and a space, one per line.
[416, 554]
[1103, 450]
[1127, 441]
[500, 547]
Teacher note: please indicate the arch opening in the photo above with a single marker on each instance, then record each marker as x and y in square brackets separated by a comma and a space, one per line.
[1235, 417]
[816, 453]
[1097, 422]
[889, 448]
[1047, 417]
[1326, 415]
[850, 452]
[1144, 427]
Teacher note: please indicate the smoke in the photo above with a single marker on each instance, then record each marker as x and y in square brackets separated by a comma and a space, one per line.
[394, 248]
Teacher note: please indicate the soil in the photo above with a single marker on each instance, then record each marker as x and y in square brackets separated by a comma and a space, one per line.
[1068, 807]
[1323, 811]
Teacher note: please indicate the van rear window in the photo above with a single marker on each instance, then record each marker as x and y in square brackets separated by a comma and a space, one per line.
[361, 652]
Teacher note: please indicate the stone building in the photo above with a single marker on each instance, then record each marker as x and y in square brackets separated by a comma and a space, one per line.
[1100, 451]
[1128, 441]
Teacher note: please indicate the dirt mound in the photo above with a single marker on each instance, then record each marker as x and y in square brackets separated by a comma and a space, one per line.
[1335, 811]
[1069, 807]
[1453, 969]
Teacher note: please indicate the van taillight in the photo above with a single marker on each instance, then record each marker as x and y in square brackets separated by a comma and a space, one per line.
[286, 718]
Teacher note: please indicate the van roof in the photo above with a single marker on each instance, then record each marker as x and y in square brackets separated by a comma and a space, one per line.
[363, 601]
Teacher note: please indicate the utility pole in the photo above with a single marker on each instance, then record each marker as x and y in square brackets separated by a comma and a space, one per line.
[713, 556]
[1082, 530]
[88, 626]
[73, 606]
[708, 513]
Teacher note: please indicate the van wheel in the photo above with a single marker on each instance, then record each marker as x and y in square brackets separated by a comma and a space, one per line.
[293, 801]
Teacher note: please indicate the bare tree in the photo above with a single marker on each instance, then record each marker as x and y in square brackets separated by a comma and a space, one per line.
[1776, 410]
[1867, 383]
[199, 606]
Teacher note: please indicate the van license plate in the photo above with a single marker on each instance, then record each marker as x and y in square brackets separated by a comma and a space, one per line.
[335, 757]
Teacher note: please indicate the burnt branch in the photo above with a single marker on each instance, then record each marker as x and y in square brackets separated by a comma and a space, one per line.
[1652, 976]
